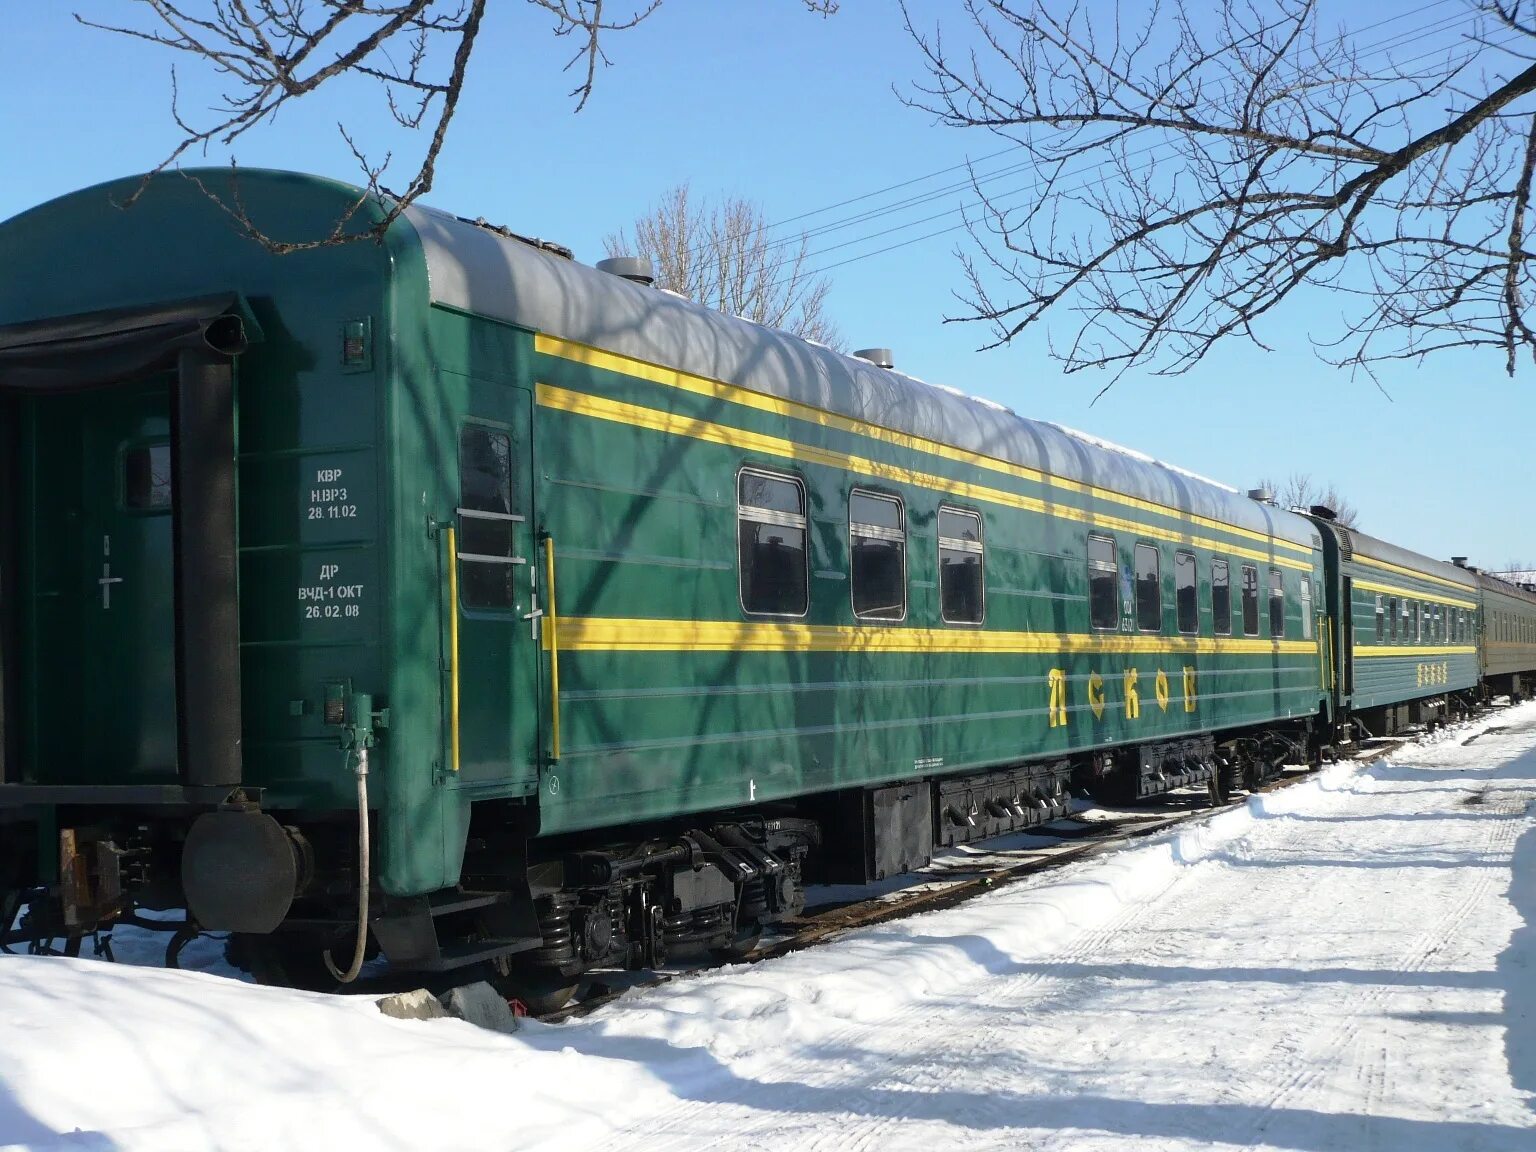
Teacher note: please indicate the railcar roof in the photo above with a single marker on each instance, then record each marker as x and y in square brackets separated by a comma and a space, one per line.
[483, 272]
[1376, 549]
[1506, 587]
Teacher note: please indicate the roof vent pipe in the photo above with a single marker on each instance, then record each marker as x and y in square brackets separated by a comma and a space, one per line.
[1262, 495]
[879, 357]
[1459, 561]
[636, 268]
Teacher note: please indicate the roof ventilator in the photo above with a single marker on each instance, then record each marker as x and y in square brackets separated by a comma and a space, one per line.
[634, 268]
[1262, 495]
[879, 357]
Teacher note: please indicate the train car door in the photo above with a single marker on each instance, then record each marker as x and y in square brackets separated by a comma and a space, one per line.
[493, 719]
[98, 573]
[1347, 635]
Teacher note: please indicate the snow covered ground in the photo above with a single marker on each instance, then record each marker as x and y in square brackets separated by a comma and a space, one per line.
[1346, 964]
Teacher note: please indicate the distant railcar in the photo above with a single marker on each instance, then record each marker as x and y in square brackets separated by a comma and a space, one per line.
[1507, 638]
[625, 616]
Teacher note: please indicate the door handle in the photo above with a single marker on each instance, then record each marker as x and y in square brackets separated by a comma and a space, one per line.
[533, 618]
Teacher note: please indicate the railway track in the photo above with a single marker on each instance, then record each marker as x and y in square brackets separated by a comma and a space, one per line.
[949, 886]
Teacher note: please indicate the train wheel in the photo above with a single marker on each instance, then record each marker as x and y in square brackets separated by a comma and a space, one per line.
[746, 942]
[539, 990]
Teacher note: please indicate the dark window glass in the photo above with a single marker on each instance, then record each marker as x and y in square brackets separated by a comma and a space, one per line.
[1221, 598]
[1276, 603]
[486, 553]
[1392, 618]
[147, 477]
[1103, 583]
[771, 544]
[878, 549]
[1184, 592]
[1250, 600]
[1149, 588]
[961, 567]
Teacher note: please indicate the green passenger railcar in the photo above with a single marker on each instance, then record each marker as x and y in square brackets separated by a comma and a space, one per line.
[622, 605]
[1507, 638]
[1406, 627]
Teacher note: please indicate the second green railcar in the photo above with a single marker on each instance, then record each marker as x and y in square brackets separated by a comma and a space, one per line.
[1404, 648]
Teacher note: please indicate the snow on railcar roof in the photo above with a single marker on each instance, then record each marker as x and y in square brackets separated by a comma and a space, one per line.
[486, 273]
[1111, 446]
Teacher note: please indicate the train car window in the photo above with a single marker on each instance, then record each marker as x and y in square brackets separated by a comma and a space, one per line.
[486, 555]
[1411, 622]
[1276, 603]
[1186, 606]
[1221, 598]
[1306, 608]
[1392, 618]
[147, 478]
[962, 585]
[1103, 583]
[877, 542]
[1149, 588]
[1381, 618]
[1250, 600]
[771, 544]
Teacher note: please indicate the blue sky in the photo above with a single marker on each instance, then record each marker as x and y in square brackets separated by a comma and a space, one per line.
[759, 99]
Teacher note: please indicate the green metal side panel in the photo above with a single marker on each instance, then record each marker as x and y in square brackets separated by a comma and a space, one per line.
[672, 701]
[1508, 638]
[1391, 670]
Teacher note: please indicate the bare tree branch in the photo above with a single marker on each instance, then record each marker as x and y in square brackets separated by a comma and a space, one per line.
[721, 255]
[1201, 165]
[270, 53]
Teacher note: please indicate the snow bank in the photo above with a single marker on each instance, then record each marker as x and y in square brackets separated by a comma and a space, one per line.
[95, 1055]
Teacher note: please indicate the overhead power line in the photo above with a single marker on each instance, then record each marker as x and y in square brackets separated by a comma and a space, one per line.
[1405, 39]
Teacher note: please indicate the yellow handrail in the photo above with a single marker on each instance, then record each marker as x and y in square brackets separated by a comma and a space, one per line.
[453, 651]
[552, 621]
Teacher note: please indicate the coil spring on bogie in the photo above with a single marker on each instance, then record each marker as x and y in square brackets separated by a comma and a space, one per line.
[694, 924]
[707, 920]
[754, 899]
[554, 913]
[676, 924]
